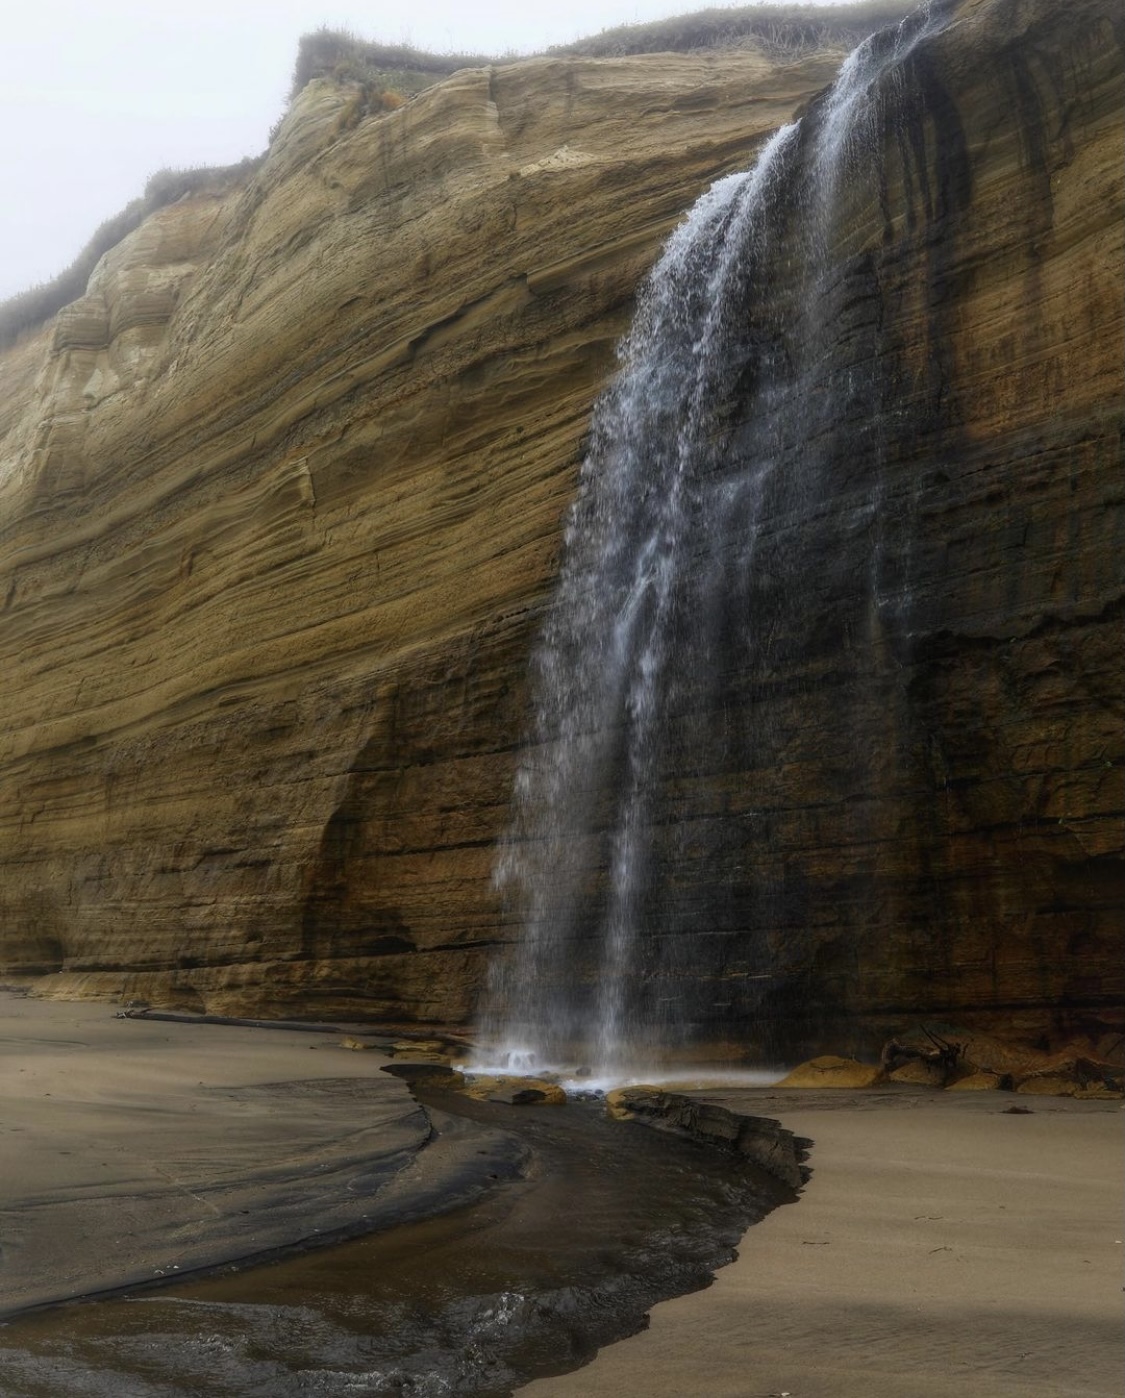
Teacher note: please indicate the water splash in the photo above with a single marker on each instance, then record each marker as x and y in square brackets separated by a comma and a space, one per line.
[666, 521]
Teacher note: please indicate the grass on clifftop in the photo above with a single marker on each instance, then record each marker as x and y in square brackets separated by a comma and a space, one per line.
[344, 57]
[27, 310]
[783, 28]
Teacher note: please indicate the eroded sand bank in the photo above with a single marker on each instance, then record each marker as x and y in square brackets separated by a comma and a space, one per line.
[944, 1246]
[133, 1150]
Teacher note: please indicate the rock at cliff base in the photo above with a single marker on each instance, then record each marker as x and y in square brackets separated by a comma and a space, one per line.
[620, 1101]
[518, 1092]
[920, 1073]
[1049, 1085]
[830, 1071]
[437, 1076]
[977, 1082]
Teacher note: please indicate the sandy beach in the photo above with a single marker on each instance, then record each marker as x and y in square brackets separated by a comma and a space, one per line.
[133, 1150]
[944, 1246]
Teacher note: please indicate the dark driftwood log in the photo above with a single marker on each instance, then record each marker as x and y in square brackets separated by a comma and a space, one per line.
[940, 1054]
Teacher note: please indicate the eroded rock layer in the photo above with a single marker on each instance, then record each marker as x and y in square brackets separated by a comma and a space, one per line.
[281, 503]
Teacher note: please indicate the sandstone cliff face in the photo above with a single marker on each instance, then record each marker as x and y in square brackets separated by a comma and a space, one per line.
[280, 506]
[280, 510]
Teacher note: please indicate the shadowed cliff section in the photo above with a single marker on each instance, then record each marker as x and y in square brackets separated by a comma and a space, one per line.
[281, 500]
[886, 639]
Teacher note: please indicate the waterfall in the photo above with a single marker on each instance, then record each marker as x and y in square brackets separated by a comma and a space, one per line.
[651, 616]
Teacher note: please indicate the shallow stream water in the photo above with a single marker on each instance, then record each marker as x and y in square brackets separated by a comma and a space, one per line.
[530, 1280]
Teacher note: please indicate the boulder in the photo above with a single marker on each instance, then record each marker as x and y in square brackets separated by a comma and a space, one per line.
[919, 1073]
[977, 1082]
[830, 1071]
[518, 1092]
[1049, 1085]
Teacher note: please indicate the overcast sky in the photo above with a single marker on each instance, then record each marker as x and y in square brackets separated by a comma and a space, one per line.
[99, 94]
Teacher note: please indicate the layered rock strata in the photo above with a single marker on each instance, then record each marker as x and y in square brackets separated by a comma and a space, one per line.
[281, 502]
[281, 507]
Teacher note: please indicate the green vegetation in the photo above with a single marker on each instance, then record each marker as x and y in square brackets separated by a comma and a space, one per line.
[386, 75]
[344, 57]
[786, 29]
[382, 78]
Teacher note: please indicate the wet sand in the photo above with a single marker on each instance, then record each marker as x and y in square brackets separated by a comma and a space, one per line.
[944, 1246]
[133, 1151]
[607, 1219]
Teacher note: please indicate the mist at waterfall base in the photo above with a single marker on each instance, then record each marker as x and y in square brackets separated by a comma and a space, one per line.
[649, 911]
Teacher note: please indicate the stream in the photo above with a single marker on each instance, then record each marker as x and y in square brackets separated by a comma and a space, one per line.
[608, 1219]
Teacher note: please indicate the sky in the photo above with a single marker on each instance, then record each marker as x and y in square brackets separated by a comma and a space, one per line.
[100, 94]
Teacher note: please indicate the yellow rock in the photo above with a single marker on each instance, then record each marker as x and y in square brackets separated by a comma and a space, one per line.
[975, 1082]
[1061, 1085]
[1099, 1092]
[1050, 1085]
[830, 1071]
[917, 1072]
[421, 1051]
[517, 1091]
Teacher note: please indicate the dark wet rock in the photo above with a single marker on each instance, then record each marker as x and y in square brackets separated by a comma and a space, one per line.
[761, 1140]
[436, 1076]
[518, 1096]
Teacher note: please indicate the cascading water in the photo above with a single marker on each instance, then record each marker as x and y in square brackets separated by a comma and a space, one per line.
[652, 615]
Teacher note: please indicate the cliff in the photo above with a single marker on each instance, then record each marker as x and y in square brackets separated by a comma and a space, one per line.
[281, 502]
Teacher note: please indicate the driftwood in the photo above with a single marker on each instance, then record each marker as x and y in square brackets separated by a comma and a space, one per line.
[940, 1055]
